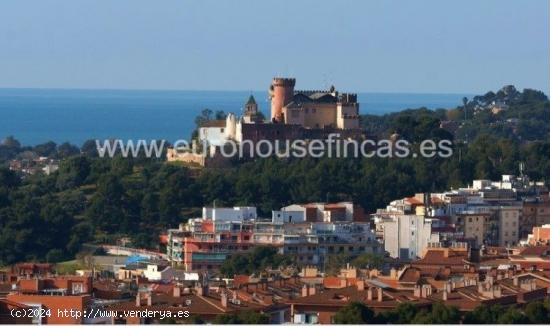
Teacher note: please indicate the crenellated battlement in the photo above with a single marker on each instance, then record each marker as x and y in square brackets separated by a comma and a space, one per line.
[309, 92]
[284, 82]
[347, 98]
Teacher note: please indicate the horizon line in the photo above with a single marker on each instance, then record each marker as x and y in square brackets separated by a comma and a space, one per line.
[217, 90]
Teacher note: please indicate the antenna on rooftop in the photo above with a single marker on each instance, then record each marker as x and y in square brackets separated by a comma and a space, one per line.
[521, 168]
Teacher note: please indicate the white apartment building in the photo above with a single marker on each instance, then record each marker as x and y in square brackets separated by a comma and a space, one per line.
[223, 214]
[406, 236]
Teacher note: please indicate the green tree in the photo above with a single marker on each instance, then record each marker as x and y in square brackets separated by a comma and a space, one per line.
[512, 316]
[438, 314]
[536, 313]
[368, 260]
[354, 313]
[484, 314]
[66, 150]
[47, 149]
[73, 172]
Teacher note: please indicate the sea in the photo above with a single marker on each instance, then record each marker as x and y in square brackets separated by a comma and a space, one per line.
[35, 116]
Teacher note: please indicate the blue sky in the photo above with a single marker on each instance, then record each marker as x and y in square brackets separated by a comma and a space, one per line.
[374, 46]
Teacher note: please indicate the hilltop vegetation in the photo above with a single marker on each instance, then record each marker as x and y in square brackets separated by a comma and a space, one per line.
[91, 199]
[508, 113]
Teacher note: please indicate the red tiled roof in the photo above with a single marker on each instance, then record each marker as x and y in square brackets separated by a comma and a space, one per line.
[213, 124]
[536, 251]
[410, 275]
[343, 296]
[437, 257]
[413, 201]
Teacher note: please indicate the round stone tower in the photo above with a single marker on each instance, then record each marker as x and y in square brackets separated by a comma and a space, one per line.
[281, 93]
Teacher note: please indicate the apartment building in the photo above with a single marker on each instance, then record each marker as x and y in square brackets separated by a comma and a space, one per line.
[536, 212]
[509, 221]
[55, 295]
[205, 243]
[477, 228]
[407, 236]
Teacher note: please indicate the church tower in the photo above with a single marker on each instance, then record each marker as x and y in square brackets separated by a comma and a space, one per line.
[251, 107]
[251, 112]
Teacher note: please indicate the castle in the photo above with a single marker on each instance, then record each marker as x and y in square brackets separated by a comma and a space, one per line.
[295, 114]
[312, 109]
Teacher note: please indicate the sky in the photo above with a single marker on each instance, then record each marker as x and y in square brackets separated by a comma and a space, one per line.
[423, 46]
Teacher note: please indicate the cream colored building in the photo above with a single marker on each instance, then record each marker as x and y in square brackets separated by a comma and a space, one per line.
[475, 226]
[509, 217]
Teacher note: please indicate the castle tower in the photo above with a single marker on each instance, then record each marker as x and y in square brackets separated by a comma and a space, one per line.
[281, 93]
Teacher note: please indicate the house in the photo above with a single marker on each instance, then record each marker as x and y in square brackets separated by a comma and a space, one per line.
[158, 273]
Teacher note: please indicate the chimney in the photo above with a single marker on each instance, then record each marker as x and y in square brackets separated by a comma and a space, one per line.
[138, 300]
[177, 291]
[528, 285]
[343, 283]
[223, 296]
[448, 286]
[150, 299]
[360, 285]
[380, 294]
[497, 291]
[490, 280]
[369, 293]
[417, 291]
[428, 290]
[312, 290]
[445, 295]
[393, 273]
[516, 281]
[305, 290]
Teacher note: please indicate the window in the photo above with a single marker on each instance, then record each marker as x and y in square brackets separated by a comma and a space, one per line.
[78, 288]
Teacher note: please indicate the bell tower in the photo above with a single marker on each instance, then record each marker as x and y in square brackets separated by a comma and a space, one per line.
[251, 107]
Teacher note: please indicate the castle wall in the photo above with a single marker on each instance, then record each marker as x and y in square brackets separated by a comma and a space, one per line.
[347, 116]
[319, 115]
